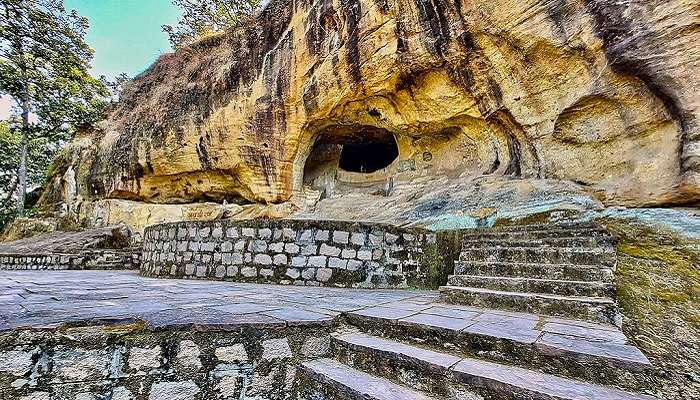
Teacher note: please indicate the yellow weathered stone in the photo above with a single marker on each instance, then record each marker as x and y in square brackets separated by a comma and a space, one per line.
[597, 93]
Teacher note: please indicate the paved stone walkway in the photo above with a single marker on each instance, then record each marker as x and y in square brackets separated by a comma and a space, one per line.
[47, 299]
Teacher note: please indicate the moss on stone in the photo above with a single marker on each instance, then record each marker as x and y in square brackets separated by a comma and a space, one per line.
[435, 266]
[539, 218]
[658, 286]
[122, 329]
[341, 277]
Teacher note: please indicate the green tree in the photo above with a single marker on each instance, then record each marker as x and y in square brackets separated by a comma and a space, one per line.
[44, 64]
[202, 17]
[40, 152]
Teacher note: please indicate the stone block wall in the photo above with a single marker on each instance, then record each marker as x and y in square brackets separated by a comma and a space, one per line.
[38, 261]
[129, 363]
[299, 252]
[89, 259]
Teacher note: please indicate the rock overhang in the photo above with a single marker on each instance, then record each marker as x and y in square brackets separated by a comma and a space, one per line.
[466, 90]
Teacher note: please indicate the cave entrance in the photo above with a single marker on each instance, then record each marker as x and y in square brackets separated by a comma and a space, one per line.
[350, 154]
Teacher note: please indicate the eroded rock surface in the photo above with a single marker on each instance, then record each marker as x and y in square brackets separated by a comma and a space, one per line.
[597, 93]
[110, 237]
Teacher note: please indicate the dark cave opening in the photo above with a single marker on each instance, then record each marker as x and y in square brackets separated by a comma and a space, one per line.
[368, 157]
[345, 153]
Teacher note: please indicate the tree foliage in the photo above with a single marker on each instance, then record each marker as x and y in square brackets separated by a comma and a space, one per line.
[202, 17]
[40, 153]
[44, 64]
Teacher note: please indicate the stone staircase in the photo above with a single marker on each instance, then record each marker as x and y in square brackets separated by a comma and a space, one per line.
[561, 270]
[442, 351]
[418, 349]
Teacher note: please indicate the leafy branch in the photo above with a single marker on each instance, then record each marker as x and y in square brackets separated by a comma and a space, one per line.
[204, 17]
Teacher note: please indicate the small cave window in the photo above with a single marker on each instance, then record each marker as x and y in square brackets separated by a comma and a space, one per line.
[368, 157]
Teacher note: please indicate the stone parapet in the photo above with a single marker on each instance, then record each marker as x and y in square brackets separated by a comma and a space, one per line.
[299, 252]
[89, 259]
[39, 261]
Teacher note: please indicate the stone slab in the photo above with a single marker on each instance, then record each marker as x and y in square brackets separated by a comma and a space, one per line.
[534, 385]
[357, 383]
[296, 316]
[432, 359]
[586, 333]
[430, 321]
[384, 313]
[618, 353]
[452, 312]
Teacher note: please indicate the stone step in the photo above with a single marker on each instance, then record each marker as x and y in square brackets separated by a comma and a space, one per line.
[564, 242]
[597, 353]
[544, 255]
[596, 309]
[499, 234]
[445, 373]
[535, 285]
[548, 226]
[330, 379]
[591, 273]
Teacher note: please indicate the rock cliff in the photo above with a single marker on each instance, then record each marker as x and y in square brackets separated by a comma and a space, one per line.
[320, 98]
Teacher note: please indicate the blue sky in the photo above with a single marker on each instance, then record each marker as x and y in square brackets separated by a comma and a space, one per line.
[125, 34]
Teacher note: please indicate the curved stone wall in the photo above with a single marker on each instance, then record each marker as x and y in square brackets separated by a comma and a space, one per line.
[299, 252]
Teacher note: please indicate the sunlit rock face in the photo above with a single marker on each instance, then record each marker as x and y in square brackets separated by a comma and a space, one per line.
[599, 93]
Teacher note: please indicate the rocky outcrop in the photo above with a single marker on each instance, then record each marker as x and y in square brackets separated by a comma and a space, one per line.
[109, 237]
[599, 93]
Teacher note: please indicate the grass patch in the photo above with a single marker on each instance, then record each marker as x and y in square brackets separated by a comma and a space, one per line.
[658, 284]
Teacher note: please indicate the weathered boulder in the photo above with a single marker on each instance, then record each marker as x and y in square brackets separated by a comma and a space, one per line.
[603, 94]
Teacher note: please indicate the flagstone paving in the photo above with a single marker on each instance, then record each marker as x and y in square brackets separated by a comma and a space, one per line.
[51, 298]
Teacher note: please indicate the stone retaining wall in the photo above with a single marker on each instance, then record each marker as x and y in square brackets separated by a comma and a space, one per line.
[39, 261]
[128, 362]
[92, 259]
[295, 252]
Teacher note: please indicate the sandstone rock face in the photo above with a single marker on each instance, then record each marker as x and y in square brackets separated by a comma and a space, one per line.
[601, 94]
